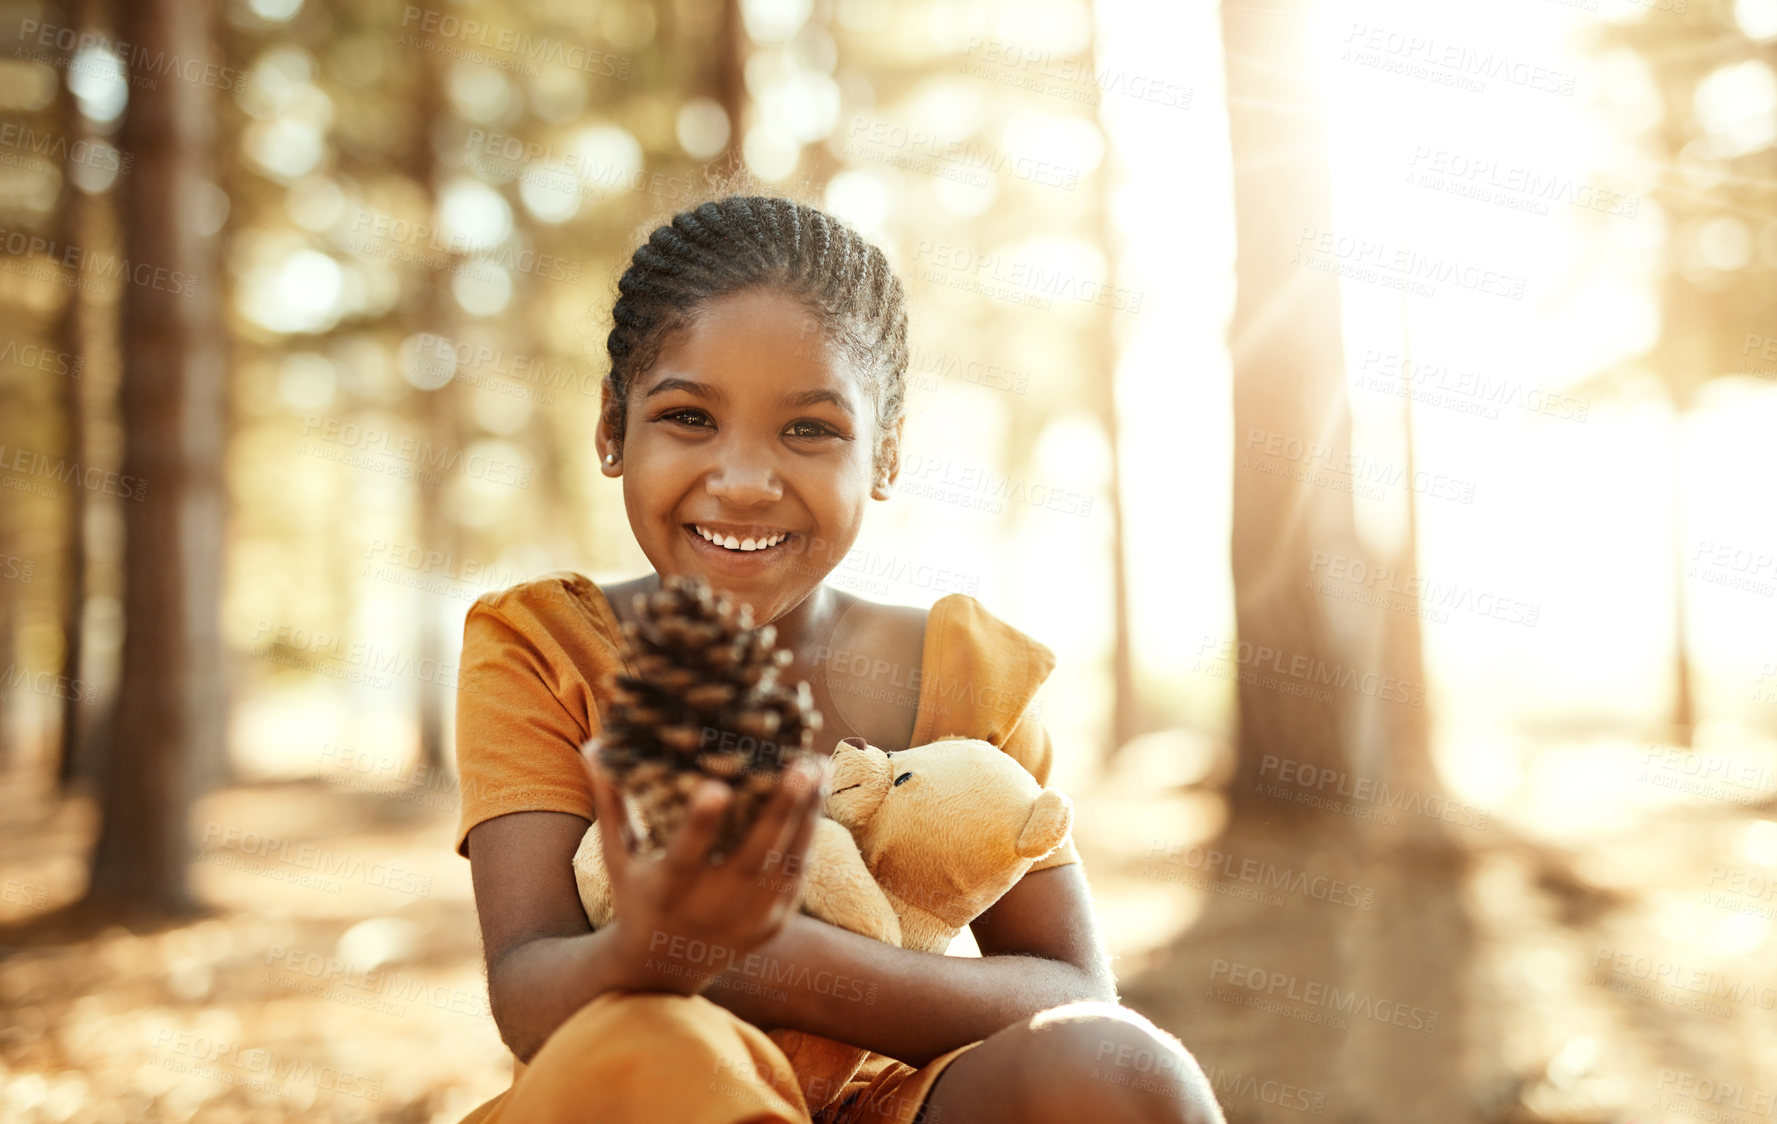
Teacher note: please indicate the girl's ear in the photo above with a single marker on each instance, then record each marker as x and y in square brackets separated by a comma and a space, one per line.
[879, 487]
[610, 452]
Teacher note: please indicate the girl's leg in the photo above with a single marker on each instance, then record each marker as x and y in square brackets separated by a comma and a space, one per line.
[635, 1057]
[1084, 1061]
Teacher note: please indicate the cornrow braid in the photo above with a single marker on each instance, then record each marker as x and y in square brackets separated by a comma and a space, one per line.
[743, 242]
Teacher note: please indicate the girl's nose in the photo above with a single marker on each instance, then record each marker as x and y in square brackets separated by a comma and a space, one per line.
[745, 480]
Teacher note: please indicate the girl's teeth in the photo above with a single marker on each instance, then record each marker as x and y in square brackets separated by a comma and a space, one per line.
[733, 543]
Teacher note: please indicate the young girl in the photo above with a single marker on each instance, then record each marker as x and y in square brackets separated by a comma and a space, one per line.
[754, 406]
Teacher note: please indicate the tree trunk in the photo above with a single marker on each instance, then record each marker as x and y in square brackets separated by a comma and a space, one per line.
[1684, 716]
[71, 331]
[730, 79]
[171, 697]
[1289, 397]
[437, 532]
[1126, 714]
[434, 407]
[1418, 940]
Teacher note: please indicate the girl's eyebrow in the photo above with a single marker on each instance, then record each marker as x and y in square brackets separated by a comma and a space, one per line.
[715, 394]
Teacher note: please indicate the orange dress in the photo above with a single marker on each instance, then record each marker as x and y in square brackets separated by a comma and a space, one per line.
[530, 694]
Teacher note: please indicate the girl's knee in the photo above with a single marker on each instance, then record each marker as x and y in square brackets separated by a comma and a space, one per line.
[1116, 1061]
[632, 1056]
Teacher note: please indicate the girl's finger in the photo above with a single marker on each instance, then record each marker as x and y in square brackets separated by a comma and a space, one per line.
[688, 853]
[794, 851]
[799, 784]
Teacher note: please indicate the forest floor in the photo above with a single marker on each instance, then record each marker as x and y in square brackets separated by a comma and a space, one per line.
[1605, 957]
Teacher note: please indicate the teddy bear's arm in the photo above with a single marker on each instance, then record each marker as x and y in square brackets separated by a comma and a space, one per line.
[840, 889]
[593, 880]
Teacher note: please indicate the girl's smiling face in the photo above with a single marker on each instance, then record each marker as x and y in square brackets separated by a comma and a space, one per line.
[751, 426]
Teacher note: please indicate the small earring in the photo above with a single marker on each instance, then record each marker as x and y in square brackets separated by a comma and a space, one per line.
[610, 458]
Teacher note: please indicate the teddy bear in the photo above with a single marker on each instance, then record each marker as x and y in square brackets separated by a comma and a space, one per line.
[914, 844]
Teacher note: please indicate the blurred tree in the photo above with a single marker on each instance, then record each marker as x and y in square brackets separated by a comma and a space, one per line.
[172, 695]
[1289, 383]
[71, 334]
[435, 408]
[1715, 143]
[1127, 719]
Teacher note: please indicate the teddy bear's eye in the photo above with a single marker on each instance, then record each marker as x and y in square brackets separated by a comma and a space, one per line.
[901, 778]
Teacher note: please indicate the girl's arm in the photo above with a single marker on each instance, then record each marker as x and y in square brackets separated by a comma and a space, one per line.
[1039, 949]
[544, 962]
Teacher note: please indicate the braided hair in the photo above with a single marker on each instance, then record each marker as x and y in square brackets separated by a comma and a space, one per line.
[741, 242]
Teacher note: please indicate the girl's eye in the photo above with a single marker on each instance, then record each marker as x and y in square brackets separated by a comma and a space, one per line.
[819, 429]
[697, 419]
[901, 778]
[684, 417]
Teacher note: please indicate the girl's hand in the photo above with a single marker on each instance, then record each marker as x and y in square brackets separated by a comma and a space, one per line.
[682, 920]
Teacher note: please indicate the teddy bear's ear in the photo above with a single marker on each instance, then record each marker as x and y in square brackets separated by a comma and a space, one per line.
[1049, 821]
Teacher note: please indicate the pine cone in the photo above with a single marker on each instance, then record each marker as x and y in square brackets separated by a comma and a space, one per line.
[706, 702]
